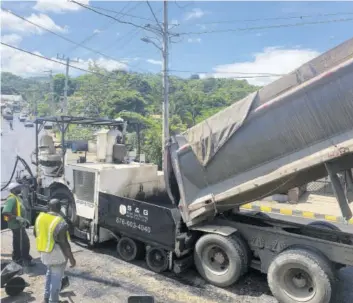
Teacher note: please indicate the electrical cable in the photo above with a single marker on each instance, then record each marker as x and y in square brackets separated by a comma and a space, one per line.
[267, 27]
[125, 14]
[154, 15]
[227, 72]
[107, 25]
[109, 77]
[109, 16]
[64, 38]
[276, 18]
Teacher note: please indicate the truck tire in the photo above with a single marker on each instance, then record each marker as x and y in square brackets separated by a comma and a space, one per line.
[324, 225]
[157, 259]
[62, 193]
[220, 260]
[128, 249]
[301, 275]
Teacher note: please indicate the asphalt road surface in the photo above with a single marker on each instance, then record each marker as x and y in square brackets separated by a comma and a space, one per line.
[19, 141]
[101, 277]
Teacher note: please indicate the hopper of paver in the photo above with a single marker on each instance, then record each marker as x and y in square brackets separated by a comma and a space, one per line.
[275, 139]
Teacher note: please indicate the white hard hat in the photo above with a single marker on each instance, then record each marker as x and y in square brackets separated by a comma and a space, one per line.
[13, 185]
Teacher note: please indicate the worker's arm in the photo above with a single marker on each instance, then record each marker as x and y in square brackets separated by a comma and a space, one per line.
[60, 237]
[8, 209]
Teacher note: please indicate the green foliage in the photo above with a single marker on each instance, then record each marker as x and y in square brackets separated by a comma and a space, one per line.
[77, 132]
[134, 97]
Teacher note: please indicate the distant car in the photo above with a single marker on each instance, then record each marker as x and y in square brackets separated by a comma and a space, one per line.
[22, 117]
[29, 123]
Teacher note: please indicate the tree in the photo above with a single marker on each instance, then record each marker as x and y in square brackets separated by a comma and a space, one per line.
[136, 98]
[195, 76]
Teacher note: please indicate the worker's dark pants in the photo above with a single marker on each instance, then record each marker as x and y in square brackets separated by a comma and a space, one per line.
[21, 246]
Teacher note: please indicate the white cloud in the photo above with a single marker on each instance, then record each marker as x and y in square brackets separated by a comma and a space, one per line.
[97, 31]
[196, 13]
[108, 64]
[58, 6]
[26, 65]
[156, 62]
[194, 40]
[273, 60]
[14, 24]
[12, 39]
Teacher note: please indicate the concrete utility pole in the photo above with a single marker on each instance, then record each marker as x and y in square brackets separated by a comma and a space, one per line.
[165, 107]
[68, 60]
[163, 32]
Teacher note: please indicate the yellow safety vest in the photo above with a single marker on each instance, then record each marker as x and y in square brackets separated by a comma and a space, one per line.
[18, 207]
[45, 226]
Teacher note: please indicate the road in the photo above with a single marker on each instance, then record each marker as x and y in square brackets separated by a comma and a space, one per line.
[19, 141]
[101, 277]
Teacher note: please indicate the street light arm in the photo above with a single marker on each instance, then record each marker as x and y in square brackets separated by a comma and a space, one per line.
[147, 40]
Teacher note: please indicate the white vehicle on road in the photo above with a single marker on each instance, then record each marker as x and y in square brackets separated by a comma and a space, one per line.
[29, 123]
[22, 117]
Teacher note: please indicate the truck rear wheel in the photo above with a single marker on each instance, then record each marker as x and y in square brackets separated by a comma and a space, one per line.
[220, 260]
[300, 275]
[69, 212]
[157, 259]
[129, 249]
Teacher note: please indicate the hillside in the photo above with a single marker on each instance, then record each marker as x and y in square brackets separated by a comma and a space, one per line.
[133, 96]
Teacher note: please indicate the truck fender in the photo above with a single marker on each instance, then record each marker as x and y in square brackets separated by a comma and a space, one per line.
[216, 229]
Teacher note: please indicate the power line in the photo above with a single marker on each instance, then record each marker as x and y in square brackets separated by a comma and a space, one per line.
[182, 7]
[268, 27]
[89, 7]
[114, 78]
[277, 18]
[49, 59]
[154, 16]
[104, 28]
[227, 72]
[66, 39]
[59, 62]
[125, 14]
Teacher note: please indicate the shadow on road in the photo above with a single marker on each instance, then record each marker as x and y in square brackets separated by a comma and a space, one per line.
[253, 284]
[88, 276]
[68, 295]
[26, 296]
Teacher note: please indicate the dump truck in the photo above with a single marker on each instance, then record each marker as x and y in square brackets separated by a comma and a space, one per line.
[293, 131]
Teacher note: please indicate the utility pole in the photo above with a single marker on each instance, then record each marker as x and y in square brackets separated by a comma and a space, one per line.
[163, 32]
[68, 60]
[165, 107]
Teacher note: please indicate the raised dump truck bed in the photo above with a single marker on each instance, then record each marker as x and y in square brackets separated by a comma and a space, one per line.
[275, 139]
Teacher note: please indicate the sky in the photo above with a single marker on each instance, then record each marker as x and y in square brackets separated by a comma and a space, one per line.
[209, 38]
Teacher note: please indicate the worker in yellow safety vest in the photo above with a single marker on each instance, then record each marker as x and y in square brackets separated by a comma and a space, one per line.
[51, 232]
[14, 214]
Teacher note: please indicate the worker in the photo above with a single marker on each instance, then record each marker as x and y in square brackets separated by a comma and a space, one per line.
[11, 127]
[14, 213]
[51, 232]
[119, 136]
